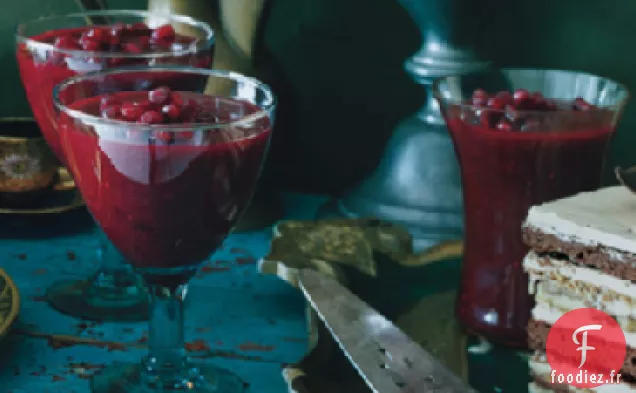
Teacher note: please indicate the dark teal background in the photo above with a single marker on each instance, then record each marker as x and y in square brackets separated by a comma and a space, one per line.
[337, 67]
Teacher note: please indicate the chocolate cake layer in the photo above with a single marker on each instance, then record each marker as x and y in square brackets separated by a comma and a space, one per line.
[538, 335]
[610, 261]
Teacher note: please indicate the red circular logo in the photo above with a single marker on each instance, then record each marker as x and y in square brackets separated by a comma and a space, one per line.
[586, 349]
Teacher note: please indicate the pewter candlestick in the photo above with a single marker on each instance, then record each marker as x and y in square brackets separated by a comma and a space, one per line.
[417, 183]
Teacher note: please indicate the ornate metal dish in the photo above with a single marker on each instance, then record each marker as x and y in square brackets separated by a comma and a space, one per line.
[9, 302]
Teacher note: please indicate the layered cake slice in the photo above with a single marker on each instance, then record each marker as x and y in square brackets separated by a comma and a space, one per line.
[583, 255]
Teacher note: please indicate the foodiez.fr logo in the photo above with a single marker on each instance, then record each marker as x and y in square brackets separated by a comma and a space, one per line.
[585, 348]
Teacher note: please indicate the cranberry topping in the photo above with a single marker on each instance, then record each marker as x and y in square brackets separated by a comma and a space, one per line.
[581, 105]
[159, 96]
[151, 117]
[164, 34]
[112, 112]
[131, 111]
[108, 101]
[480, 97]
[134, 39]
[162, 106]
[503, 111]
[171, 111]
[96, 35]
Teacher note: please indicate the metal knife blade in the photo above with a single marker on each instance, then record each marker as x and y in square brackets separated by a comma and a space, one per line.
[385, 357]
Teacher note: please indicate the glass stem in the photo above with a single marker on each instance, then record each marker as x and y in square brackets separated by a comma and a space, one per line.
[166, 363]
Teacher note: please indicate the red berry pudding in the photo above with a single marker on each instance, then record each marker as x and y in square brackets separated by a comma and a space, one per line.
[166, 174]
[49, 51]
[516, 149]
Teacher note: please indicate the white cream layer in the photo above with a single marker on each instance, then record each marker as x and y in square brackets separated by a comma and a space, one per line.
[622, 310]
[593, 277]
[541, 312]
[604, 217]
[543, 369]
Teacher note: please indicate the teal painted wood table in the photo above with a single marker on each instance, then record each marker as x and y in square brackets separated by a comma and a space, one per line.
[237, 318]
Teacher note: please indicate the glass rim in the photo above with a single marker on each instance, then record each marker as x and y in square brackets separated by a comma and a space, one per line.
[617, 107]
[265, 110]
[195, 47]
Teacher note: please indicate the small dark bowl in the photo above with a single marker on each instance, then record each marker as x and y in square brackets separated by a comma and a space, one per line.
[28, 167]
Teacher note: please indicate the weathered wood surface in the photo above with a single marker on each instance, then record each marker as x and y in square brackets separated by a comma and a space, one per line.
[236, 318]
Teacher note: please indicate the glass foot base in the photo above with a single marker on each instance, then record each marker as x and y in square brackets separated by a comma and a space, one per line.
[80, 299]
[128, 378]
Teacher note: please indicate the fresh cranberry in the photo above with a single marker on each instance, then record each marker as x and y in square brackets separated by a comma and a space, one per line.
[487, 118]
[178, 100]
[96, 34]
[91, 46]
[504, 125]
[171, 111]
[159, 96]
[497, 103]
[506, 97]
[581, 105]
[116, 32]
[164, 33]
[144, 104]
[521, 98]
[132, 47]
[480, 97]
[131, 111]
[112, 112]
[108, 101]
[151, 117]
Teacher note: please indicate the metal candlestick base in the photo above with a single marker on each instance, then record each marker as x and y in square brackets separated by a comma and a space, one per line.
[417, 183]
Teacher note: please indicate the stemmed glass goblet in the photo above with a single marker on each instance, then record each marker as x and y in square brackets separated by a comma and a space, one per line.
[166, 189]
[52, 49]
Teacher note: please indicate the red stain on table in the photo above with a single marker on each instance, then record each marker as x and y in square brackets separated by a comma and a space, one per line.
[197, 346]
[142, 340]
[249, 346]
[59, 342]
[70, 255]
[112, 347]
[21, 257]
[40, 271]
